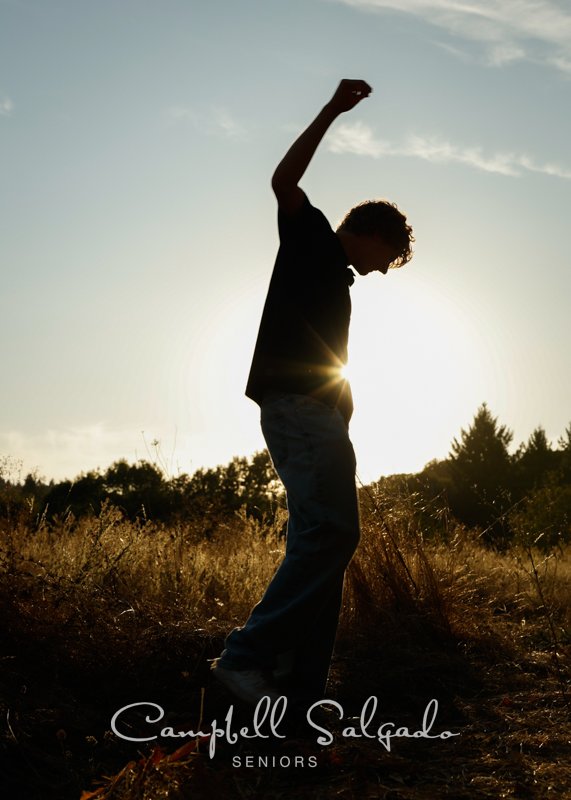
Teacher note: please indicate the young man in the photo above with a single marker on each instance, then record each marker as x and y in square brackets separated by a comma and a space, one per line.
[285, 646]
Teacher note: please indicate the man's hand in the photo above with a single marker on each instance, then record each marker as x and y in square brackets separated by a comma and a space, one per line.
[348, 94]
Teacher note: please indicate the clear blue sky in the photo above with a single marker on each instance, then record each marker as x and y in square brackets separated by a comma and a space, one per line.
[137, 223]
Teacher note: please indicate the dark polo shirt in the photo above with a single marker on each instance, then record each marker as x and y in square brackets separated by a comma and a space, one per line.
[303, 335]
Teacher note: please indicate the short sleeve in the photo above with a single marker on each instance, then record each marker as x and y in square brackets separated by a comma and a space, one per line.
[307, 219]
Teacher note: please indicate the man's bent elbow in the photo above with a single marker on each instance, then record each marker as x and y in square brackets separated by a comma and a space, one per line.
[289, 196]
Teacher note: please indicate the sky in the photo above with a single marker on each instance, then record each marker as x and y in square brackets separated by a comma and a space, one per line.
[138, 227]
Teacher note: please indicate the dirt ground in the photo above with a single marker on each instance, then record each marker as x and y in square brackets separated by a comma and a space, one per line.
[69, 663]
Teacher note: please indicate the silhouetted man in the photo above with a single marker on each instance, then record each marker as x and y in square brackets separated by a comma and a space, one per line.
[285, 646]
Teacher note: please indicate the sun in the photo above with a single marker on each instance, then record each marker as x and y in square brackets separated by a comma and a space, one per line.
[346, 372]
[414, 362]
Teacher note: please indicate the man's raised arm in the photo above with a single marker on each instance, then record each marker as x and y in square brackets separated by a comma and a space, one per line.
[292, 166]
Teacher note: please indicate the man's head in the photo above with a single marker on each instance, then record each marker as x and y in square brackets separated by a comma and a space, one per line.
[376, 237]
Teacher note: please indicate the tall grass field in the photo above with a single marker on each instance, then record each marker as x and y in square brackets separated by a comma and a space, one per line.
[103, 612]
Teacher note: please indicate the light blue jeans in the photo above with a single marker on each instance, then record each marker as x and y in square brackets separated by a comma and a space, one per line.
[292, 630]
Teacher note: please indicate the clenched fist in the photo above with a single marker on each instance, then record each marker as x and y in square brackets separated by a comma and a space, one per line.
[348, 94]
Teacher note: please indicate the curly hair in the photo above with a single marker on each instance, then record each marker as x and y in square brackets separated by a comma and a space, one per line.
[382, 218]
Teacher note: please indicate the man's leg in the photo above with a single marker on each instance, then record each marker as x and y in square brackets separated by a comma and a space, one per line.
[299, 611]
[306, 670]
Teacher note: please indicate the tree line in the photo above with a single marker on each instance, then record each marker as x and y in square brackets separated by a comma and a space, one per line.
[480, 483]
[144, 491]
[527, 493]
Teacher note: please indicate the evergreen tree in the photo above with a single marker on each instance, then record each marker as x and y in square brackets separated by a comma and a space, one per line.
[534, 462]
[480, 469]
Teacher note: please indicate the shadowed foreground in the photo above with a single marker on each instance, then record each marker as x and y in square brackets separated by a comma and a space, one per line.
[113, 613]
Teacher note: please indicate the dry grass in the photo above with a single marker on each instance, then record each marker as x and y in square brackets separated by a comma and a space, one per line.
[101, 613]
[226, 567]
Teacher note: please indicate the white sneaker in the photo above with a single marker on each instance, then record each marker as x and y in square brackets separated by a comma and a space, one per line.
[250, 685]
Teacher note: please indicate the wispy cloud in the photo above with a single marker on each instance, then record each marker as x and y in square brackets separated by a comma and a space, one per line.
[215, 121]
[6, 107]
[510, 30]
[359, 139]
[65, 452]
